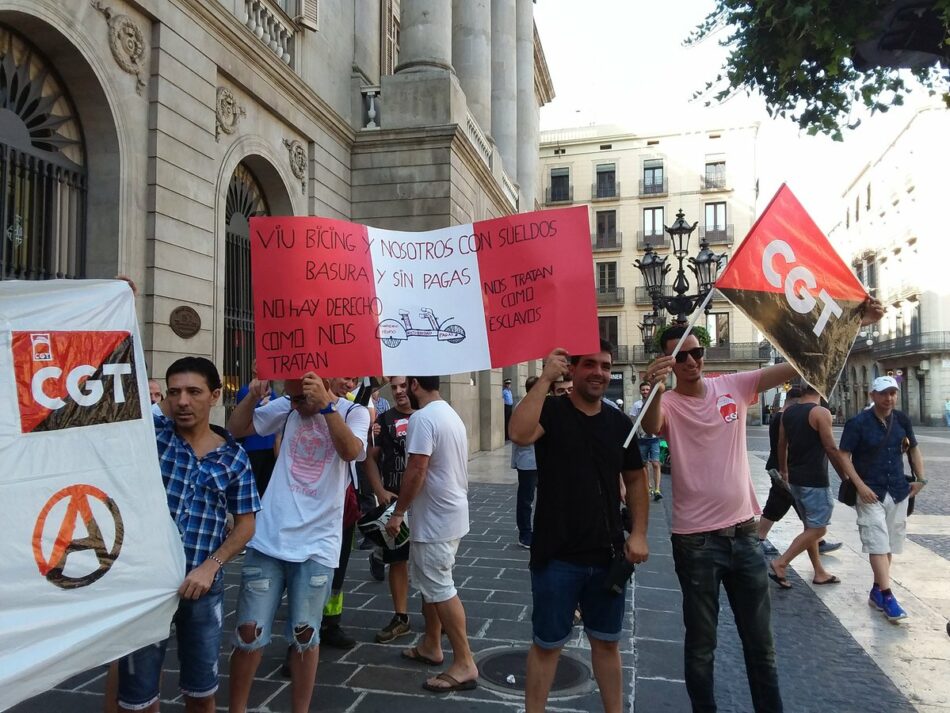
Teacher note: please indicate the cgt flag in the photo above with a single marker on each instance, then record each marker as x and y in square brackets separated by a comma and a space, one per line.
[791, 283]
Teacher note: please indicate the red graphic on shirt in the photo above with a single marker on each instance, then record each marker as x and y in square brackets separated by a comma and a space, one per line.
[311, 451]
[727, 408]
[402, 427]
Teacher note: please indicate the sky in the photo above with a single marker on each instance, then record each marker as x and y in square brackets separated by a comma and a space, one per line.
[624, 62]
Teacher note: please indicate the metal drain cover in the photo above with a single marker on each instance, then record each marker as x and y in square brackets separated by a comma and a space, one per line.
[497, 666]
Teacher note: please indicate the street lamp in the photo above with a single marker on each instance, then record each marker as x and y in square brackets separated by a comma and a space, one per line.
[705, 266]
[648, 331]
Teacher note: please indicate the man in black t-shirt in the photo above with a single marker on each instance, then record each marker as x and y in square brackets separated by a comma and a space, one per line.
[577, 529]
[385, 464]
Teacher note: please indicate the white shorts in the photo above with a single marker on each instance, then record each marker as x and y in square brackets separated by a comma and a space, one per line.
[882, 526]
[430, 569]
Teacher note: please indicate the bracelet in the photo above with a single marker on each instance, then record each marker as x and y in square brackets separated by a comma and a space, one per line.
[328, 409]
[922, 481]
[214, 558]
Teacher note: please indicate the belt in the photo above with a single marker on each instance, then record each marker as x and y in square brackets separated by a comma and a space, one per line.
[741, 528]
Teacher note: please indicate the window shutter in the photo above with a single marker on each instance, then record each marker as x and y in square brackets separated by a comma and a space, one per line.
[307, 14]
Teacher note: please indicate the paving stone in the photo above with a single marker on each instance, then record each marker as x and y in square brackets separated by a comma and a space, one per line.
[326, 699]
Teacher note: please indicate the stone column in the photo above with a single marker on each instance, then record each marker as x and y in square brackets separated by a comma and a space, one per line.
[504, 84]
[425, 40]
[471, 56]
[527, 103]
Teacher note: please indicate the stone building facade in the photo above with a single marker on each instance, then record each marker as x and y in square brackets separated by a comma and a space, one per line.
[891, 235]
[139, 138]
[634, 184]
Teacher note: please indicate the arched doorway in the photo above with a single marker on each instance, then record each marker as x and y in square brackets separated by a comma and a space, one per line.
[245, 199]
[42, 168]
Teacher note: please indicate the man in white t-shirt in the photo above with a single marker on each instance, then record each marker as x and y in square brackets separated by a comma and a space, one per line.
[435, 489]
[298, 538]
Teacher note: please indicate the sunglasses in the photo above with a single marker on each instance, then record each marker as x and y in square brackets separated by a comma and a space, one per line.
[697, 354]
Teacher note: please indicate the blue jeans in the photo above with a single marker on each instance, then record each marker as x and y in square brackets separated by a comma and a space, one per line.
[198, 630]
[527, 481]
[704, 562]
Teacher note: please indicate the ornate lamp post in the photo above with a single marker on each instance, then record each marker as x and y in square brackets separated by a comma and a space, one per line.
[705, 267]
[648, 331]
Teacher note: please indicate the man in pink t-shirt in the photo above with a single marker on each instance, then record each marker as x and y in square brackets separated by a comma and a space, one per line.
[714, 509]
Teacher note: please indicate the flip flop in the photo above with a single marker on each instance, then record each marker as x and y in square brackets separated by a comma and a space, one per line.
[413, 654]
[782, 582]
[831, 580]
[454, 684]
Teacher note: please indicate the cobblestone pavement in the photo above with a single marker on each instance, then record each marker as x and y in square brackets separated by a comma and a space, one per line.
[834, 654]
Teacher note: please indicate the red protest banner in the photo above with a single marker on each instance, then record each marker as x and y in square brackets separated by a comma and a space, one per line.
[790, 282]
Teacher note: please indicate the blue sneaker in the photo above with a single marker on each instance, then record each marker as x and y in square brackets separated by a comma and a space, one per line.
[876, 599]
[892, 610]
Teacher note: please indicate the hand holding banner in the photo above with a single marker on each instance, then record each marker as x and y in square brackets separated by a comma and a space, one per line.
[789, 281]
[341, 298]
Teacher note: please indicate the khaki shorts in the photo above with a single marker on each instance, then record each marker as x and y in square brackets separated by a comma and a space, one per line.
[882, 526]
[430, 569]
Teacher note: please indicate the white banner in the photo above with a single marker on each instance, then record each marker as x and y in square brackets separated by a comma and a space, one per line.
[93, 560]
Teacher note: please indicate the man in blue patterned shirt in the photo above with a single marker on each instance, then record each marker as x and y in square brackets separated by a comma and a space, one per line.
[207, 474]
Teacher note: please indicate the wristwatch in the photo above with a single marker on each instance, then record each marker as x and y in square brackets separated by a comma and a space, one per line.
[330, 408]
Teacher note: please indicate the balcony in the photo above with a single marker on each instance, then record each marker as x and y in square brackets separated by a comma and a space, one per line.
[920, 343]
[558, 194]
[708, 184]
[605, 191]
[273, 27]
[735, 351]
[642, 297]
[655, 240]
[606, 242]
[622, 354]
[609, 296]
[719, 235]
[653, 189]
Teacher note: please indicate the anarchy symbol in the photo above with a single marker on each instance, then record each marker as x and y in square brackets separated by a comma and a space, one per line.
[66, 542]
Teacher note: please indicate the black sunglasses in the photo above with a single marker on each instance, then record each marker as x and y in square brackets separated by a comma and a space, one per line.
[697, 354]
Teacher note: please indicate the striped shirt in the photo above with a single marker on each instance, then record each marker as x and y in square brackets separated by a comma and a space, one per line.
[201, 491]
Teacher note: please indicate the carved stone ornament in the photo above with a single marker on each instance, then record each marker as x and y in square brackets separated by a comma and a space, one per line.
[127, 43]
[185, 321]
[227, 112]
[298, 158]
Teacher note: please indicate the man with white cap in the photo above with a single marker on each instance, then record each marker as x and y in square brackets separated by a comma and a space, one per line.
[873, 445]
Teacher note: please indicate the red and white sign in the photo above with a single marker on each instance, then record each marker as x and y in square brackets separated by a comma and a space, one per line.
[345, 299]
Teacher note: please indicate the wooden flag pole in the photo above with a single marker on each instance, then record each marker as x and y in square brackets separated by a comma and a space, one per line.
[676, 349]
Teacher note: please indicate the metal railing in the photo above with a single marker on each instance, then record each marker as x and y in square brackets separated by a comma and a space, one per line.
[652, 188]
[608, 241]
[709, 183]
[599, 192]
[734, 351]
[622, 353]
[642, 297]
[920, 343]
[720, 235]
[656, 240]
[558, 195]
[609, 296]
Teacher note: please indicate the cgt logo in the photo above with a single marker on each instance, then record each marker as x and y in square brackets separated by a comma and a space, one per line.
[73, 379]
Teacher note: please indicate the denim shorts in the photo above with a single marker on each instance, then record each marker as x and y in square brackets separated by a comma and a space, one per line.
[198, 633]
[815, 505]
[263, 581]
[650, 449]
[558, 588]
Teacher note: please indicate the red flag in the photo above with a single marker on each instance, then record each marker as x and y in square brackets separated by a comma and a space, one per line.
[796, 289]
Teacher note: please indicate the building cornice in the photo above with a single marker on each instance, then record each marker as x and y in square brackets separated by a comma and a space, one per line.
[543, 84]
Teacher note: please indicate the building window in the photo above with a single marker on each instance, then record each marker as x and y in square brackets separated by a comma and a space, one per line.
[867, 203]
[390, 35]
[652, 222]
[606, 180]
[560, 184]
[653, 177]
[245, 200]
[609, 329]
[717, 324]
[715, 174]
[606, 276]
[857, 208]
[42, 164]
[716, 217]
[606, 225]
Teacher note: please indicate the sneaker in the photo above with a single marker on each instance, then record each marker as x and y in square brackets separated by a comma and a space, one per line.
[377, 567]
[393, 630]
[892, 610]
[334, 637]
[657, 495]
[768, 548]
[876, 599]
[826, 547]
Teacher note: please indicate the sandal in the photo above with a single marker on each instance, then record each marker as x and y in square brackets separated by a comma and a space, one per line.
[782, 582]
[413, 654]
[454, 684]
[831, 580]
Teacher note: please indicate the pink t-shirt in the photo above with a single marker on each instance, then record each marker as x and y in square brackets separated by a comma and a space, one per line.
[712, 486]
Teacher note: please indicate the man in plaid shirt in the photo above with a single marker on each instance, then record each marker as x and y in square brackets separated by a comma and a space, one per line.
[207, 474]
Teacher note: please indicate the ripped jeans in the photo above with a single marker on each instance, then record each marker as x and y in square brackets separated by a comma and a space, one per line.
[263, 580]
